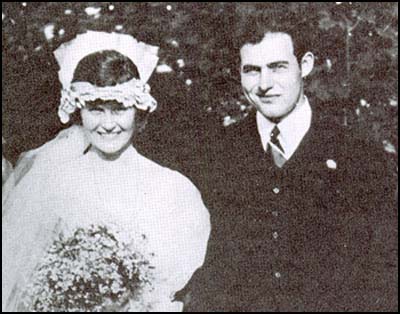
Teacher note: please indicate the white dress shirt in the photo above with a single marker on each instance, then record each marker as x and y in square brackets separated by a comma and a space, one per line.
[292, 129]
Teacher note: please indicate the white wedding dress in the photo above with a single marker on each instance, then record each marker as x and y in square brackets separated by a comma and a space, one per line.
[67, 189]
[6, 170]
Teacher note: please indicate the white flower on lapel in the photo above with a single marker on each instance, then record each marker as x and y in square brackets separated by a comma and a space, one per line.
[331, 164]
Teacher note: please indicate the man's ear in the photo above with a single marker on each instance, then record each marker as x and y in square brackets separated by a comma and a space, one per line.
[307, 64]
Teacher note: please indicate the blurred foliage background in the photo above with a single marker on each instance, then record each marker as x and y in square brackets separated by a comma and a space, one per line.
[197, 78]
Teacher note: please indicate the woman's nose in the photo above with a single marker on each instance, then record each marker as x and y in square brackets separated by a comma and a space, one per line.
[108, 121]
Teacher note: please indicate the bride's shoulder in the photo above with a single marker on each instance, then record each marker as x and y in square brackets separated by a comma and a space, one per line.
[67, 144]
[67, 141]
[169, 182]
[181, 201]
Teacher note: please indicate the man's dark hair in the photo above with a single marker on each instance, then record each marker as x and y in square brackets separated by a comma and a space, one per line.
[275, 20]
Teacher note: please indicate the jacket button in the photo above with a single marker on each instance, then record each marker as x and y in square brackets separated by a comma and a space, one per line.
[275, 235]
[278, 275]
[276, 190]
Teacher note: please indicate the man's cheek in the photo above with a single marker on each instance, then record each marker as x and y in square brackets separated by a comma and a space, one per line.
[248, 83]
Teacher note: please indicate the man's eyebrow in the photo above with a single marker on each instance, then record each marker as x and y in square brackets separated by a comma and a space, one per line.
[250, 67]
[276, 63]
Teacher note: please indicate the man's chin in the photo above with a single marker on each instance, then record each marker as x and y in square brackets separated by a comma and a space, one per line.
[270, 111]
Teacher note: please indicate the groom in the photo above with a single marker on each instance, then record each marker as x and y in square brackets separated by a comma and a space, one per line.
[301, 211]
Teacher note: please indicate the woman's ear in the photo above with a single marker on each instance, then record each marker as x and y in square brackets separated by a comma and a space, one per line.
[307, 64]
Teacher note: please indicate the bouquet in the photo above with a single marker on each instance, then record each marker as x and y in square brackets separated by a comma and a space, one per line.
[92, 270]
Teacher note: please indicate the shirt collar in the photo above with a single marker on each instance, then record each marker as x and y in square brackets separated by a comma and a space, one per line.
[292, 128]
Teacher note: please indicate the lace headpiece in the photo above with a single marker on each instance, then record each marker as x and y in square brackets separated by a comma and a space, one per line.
[135, 92]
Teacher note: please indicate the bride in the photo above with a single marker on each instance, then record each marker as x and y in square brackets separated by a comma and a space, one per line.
[6, 167]
[90, 186]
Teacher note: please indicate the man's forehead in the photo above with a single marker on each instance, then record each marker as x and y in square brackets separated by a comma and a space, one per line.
[273, 47]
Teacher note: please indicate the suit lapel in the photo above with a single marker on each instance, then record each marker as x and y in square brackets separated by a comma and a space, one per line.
[248, 148]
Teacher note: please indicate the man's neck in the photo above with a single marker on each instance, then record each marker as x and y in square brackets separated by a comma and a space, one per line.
[292, 129]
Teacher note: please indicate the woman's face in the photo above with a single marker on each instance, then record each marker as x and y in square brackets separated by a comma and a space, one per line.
[109, 127]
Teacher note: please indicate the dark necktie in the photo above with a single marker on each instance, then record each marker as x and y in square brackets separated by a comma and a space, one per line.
[274, 153]
[274, 138]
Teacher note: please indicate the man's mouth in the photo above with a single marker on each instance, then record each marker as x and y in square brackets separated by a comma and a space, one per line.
[267, 98]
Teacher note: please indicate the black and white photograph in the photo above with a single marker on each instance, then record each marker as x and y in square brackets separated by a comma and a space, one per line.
[200, 157]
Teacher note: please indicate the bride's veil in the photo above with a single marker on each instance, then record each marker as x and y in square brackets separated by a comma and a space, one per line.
[27, 230]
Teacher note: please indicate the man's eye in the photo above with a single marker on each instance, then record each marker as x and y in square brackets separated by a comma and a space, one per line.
[280, 66]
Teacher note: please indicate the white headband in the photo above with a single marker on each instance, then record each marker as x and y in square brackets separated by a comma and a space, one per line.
[132, 93]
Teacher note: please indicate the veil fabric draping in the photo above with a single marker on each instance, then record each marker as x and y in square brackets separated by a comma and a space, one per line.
[58, 188]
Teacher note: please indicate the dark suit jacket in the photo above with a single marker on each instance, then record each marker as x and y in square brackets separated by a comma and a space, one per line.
[307, 237]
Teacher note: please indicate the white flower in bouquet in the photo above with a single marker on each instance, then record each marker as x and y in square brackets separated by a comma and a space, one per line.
[93, 270]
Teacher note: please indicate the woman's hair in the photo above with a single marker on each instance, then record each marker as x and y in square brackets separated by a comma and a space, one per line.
[107, 68]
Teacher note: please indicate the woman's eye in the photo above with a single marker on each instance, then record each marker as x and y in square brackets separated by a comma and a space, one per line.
[120, 110]
[96, 110]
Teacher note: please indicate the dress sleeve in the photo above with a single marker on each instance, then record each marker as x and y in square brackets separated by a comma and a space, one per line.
[183, 247]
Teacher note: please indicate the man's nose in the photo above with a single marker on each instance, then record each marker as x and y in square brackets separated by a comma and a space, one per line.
[266, 81]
